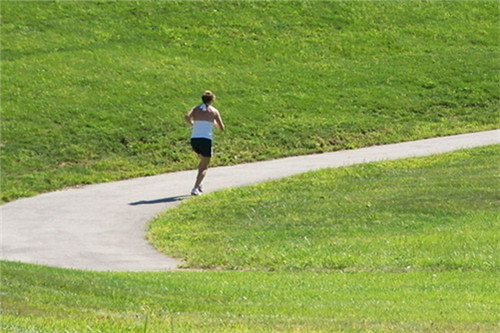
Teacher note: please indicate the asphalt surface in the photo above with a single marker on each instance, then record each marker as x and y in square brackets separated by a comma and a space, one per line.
[102, 227]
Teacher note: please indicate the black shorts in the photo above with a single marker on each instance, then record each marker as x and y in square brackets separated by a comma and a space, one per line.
[202, 146]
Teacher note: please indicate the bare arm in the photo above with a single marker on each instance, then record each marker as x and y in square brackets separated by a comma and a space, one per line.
[218, 121]
[188, 118]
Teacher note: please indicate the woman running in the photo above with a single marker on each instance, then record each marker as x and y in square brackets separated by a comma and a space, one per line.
[203, 117]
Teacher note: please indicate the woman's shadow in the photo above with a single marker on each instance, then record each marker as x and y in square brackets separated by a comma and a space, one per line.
[158, 201]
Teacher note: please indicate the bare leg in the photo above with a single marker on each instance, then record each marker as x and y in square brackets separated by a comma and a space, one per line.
[202, 170]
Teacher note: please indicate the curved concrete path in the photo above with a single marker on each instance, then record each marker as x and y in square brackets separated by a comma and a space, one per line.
[102, 227]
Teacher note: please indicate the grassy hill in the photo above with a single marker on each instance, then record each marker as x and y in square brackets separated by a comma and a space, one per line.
[95, 91]
[436, 213]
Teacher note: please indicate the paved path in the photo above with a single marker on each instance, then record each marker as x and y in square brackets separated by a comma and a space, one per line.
[102, 227]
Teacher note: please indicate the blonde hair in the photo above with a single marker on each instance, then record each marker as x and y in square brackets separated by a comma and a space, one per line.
[208, 97]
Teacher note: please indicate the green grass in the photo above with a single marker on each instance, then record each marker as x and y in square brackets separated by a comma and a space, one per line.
[402, 246]
[436, 213]
[95, 91]
[41, 299]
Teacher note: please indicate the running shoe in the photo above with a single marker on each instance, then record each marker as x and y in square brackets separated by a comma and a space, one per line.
[195, 191]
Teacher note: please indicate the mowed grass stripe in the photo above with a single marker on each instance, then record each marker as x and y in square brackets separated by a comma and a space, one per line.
[42, 299]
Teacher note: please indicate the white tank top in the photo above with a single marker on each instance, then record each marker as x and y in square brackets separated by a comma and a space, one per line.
[202, 129]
